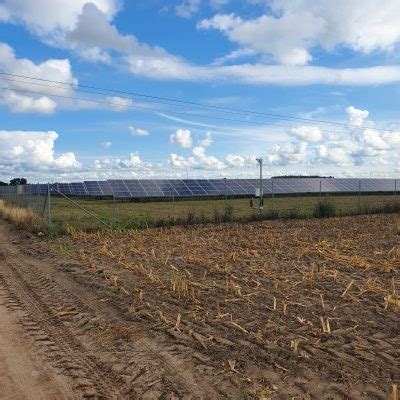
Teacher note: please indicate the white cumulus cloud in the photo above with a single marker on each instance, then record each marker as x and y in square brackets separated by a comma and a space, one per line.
[292, 29]
[356, 116]
[33, 151]
[20, 101]
[307, 133]
[182, 137]
[198, 160]
[207, 141]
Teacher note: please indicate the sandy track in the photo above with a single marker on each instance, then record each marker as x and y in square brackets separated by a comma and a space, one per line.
[23, 372]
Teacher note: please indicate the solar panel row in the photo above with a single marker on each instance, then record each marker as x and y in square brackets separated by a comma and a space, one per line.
[141, 188]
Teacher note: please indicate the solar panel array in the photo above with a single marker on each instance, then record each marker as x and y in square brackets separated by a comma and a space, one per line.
[142, 188]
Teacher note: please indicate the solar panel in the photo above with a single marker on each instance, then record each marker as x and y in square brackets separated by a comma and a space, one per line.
[119, 188]
[166, 187]
[78, 189]
[134, 187]
[105, 188]
[64, 188]
[142, 188]
[93, 188]
[151, 188]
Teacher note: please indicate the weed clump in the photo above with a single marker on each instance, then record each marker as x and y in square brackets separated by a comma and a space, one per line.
[228, 213]
[325, 209]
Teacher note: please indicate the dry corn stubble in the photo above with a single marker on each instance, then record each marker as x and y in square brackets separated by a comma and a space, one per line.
[275, 285]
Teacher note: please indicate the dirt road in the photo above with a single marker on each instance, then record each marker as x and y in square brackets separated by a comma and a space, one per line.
[23, 373]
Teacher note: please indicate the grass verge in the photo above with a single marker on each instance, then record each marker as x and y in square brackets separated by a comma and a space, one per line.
[21, 217]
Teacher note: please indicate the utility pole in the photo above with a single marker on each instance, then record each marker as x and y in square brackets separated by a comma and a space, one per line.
[260, 162]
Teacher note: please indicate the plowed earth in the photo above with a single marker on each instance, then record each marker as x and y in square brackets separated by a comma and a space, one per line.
[298, 309]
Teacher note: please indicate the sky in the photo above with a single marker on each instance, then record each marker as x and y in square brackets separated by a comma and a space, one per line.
[104, 89]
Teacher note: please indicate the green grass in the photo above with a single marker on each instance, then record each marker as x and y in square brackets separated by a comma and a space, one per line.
[142, 214]
[124, 214]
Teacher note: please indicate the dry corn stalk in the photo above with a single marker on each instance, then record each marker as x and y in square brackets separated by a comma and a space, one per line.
[179, 285]
[139, 296]
[391, 299]
[199, 338]
[395, 395]
[347, 288]
[178, 322]
[322, 301]
[232, 365]
[325, 325]
[294, 344]
[237, 326]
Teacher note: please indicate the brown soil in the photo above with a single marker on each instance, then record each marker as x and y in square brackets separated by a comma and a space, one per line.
[299, 309]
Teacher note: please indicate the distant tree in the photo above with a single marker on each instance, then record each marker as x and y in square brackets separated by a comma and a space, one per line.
[18, 181]
[3, 183]
[300, 176]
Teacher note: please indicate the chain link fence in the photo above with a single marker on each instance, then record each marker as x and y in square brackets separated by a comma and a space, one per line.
[91, 213]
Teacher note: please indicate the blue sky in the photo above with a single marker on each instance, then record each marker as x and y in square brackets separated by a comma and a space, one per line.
[313, 61]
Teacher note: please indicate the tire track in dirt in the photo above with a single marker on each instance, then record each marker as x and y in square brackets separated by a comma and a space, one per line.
[64, 326]
[24, 372]
[58, 342]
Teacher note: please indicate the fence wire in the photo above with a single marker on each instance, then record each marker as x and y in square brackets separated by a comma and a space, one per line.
[115, 212]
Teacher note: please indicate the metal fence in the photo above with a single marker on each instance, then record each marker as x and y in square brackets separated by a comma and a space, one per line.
[119, 212]
[32, 199]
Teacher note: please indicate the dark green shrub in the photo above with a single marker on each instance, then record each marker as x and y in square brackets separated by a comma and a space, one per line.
[228, 213]
[325, 209]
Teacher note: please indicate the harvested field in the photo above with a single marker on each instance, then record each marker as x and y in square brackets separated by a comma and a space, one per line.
[281, 309]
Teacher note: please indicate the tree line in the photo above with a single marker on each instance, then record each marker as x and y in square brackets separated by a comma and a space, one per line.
[15, 182]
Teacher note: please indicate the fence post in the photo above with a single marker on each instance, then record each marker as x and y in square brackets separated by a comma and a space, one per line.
[320, 190]
[173, 205]
[359, 196]
[395, 191]
[38, 198]
[113, 212]
[273, 197]
[225, 194]
[48, 203]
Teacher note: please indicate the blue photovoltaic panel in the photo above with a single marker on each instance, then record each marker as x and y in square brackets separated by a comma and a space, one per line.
[93, 188]
[180, 188]
[78, 189]
[141, 188]
[64, 188]
[135, 188]
[166, 188]
[119, 188]
[105, 188]
[151, 188]
[221, 187]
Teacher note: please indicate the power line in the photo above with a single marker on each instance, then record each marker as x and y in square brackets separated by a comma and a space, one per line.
[124, 97]
[154, 101]
[222, 109]
[121, 105]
